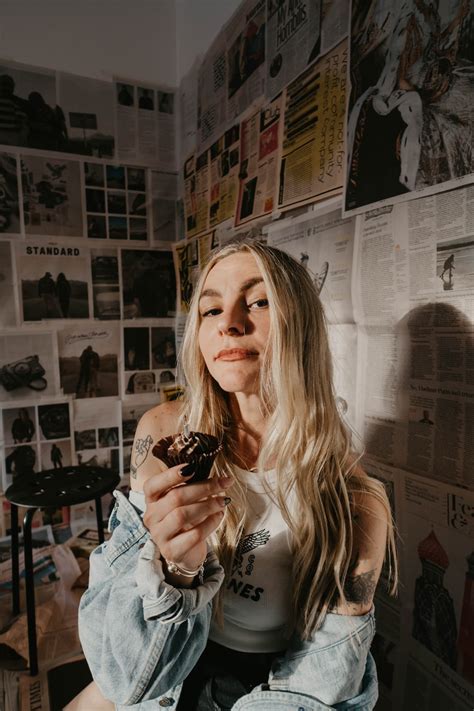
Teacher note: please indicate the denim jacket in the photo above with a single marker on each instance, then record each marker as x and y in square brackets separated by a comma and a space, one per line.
[142, 636]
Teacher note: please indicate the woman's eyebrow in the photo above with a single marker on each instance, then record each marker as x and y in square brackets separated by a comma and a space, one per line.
[246, 285]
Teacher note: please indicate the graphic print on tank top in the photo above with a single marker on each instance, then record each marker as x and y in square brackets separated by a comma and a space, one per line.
[247, 544]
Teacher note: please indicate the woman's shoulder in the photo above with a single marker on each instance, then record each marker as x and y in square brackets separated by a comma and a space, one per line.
[162, 420]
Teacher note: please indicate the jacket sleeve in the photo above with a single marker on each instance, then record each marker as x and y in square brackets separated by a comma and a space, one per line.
[140, 635]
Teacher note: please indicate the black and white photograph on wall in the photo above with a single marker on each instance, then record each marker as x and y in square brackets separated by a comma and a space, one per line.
[140, 383]
[136, 347]
[105, 284]
[54, 421]
[131, 413]
[148, 283]
[96, 432]
[163, 347]
[164, 193]
[116, 202]
[22, 459]
[146, 99]
[56, 455]
[51, 197]
[9, 200]
[27, 366]
[165, 102]
[30, 114]
[88, 107]
[412, 77]
[455, 265]
[53, 281]
[125, 94]
[7, 288]
[88, 361]
[19, 425]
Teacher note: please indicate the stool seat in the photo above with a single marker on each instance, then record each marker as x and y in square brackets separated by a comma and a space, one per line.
[61, 487]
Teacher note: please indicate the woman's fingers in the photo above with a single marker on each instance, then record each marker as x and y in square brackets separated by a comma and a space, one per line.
[178, 548]
[179, 496]
[160, 483]
[185, 518]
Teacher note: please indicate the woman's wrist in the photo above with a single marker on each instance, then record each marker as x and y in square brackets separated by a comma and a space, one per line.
[179, 579]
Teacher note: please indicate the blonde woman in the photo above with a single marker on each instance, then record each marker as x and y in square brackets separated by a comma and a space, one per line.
[291, 533]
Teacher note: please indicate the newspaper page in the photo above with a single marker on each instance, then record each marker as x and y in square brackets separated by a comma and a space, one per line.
[88, 109]
[54, 281]
[334, 23]
[187, 267]
[148, 283]
[246, 68]
[438, 590]
[52, 203]
[260, 143]
[212, 93]
[188, 113]
[413, 282]
[8, 306]
[312, 161]
[293, 40]
[146, 126]
[105, 284]
[88, 361]
[57, 683]
[10, 223]
[164, 195]
[410, 109]
[343, 348]
[224, 176]
[197, 194]
[323, 242]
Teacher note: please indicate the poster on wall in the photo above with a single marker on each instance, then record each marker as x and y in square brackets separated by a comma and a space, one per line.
[260, 142]
[97, 433]
[9, 199]
[439, 584]
[53, 280]
[196, 194]
[246, 68]
[27, 366]
[88, 365]
[88, 108]
[293, 41]
[164, 195]
[412, 76]
[51, 196]
[105, 284]
[312, 161]
[31, 116]
[7, 288]
[146, 131]
[224, 176]
[148, 284]
[116, 202]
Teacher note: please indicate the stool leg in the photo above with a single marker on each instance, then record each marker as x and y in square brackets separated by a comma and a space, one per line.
[15, 560]
[30, 592]
[98, 512]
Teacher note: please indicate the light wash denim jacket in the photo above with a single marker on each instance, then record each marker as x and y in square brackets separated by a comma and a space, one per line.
[142, 636]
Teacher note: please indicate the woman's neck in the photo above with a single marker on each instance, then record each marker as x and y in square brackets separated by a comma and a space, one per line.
[248, 428]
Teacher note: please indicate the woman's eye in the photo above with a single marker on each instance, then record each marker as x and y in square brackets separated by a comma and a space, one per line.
[210, 312]
[259, 304]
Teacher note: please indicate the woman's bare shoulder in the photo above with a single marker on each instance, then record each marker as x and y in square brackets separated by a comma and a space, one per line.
[162, 420]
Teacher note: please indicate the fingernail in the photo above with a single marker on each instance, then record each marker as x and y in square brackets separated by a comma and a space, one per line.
[227, 500]
[187, 470]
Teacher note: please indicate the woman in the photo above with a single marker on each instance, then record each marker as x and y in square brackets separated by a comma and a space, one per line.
[301, 543]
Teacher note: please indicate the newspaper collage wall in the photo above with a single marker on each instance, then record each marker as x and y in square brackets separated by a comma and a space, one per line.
[361, 117]
[340, 133]
[88, 215]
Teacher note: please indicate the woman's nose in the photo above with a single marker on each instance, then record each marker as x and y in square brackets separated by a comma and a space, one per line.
[231, 322]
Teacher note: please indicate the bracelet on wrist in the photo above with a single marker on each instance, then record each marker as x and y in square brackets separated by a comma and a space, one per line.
[175, 568]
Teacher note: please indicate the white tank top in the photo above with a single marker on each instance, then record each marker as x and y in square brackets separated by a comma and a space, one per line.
[257, 598]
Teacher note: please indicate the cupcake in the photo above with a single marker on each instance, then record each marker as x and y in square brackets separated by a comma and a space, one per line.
[187, 447]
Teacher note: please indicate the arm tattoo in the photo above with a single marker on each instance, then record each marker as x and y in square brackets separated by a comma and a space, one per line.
[360, 588]
[140, 453]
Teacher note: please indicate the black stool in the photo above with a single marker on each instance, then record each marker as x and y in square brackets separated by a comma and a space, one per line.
[51, 488]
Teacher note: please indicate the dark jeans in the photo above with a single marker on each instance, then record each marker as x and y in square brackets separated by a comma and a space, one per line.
[233, 675]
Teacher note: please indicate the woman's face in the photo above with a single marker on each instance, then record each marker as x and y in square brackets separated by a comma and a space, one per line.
[235, 323]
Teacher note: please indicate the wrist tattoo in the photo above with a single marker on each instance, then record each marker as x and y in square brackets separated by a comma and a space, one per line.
[140, 450]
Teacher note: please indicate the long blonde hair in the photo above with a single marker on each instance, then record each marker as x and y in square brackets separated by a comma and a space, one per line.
[307, 441]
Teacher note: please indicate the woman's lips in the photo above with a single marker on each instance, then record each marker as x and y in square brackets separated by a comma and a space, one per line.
[235, 354]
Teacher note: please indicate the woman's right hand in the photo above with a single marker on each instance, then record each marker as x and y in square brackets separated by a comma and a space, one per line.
[180, 517]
